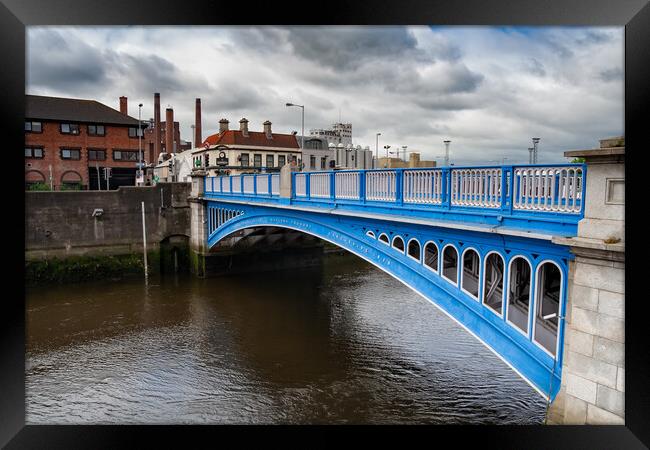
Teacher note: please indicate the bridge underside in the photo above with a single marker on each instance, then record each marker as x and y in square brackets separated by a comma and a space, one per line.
[422, 257]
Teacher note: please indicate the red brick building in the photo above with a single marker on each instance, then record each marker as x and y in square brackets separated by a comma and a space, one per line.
[69, 141]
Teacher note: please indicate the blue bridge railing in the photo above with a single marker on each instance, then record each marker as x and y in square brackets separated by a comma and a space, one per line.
[550, 192]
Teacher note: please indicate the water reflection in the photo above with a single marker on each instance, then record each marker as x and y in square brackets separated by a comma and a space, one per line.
[342, 343]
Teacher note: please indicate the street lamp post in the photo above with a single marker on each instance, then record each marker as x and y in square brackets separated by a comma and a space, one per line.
[302, 136]
[386, 147]
[530, 154]
[140, 171]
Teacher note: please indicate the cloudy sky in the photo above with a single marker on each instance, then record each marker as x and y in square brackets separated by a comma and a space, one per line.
[487, 89]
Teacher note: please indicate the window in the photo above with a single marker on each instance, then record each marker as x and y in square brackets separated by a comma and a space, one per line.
[282, 160]
[270, 160]
[370, 234]
[135, 132]
[70, 153]
[96, 130]
[34, 152]
[383, 238]
[547, 305]
[257, 160]
[244, 159]
[95, 154]
[414, 249]
[470, 273]
[312, 162]
[70, 128]
[493, 283]
[33, 127]
[398, 243]
[125, 155]
[431, 256]
[519, 293]
[323, 163]
[450, 264]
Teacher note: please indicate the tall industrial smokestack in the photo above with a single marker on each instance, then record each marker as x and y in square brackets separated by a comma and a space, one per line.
[169, 131]
[156, 124]
[124, 106]
[197, 124]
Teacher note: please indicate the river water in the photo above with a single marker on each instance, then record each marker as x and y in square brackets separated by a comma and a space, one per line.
[341, 343]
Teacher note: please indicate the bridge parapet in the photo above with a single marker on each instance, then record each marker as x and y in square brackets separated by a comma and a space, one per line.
[535, 198]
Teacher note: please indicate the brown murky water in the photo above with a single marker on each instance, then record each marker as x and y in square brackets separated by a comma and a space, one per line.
[341, 343]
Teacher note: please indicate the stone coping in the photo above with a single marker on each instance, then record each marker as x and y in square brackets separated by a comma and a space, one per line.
[596, 244]
[609, 151]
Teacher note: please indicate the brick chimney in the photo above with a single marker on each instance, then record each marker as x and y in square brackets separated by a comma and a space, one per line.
[198, 140]
[243, 126]
[267, 129]
[169, 131]
[156, 125]
[223, 125]
[124, 106]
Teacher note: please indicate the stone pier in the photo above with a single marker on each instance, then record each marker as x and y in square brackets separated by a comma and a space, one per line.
[593, 372]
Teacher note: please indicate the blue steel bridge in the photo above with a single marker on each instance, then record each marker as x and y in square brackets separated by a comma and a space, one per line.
[477, 242]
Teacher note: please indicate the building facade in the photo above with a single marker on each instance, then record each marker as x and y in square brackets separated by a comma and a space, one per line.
[244, 151]
[340, 133]
[394, 163]
[69, 142]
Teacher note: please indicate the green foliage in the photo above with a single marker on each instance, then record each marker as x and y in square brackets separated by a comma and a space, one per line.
[38, 187]
[71, 187]
[578, 160]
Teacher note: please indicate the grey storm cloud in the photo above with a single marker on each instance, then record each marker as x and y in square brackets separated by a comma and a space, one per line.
[60, 64]
[535, 67]
[615, 74]
[349, 48]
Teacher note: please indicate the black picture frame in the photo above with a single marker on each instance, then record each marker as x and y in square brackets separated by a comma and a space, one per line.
[16, 14]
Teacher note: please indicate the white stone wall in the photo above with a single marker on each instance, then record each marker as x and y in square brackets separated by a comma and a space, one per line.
[593, 374]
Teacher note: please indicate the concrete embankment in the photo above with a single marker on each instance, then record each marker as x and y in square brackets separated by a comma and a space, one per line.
[85, 235]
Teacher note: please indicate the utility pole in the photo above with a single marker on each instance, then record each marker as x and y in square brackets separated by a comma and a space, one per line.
[99, 178]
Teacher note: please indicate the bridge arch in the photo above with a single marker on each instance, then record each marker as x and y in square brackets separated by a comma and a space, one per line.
[470, 261]
[398, 243]
[414, 250]
[352, 233]
[450, 252]
[431, 256]
[545, 305]
[518, 299]
[494, 271]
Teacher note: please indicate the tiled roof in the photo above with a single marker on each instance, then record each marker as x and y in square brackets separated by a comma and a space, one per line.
[254, 138]
[74, 110]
